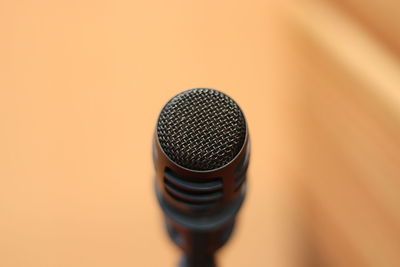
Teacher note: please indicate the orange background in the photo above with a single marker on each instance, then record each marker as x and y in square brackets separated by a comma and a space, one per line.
[81, 85]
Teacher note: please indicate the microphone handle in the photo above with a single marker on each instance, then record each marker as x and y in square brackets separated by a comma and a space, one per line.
[207, 260]
[199, 247]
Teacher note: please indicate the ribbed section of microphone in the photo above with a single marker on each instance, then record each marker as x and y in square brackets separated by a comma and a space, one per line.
[201, 154]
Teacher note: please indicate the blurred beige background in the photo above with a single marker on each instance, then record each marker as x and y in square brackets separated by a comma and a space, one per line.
[81, 85]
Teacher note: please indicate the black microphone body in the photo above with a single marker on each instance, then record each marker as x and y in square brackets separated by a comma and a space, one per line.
[201, 154]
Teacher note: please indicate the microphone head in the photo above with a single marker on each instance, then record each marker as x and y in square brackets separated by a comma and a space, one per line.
[201, 129]
[200, 152]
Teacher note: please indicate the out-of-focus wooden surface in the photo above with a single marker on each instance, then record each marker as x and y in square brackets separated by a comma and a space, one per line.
[350, 81]
[81, 85]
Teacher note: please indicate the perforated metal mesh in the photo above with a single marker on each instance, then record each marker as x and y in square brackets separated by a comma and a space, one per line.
[201, 129]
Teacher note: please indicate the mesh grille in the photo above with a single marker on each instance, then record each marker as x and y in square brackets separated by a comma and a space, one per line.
[201, 129]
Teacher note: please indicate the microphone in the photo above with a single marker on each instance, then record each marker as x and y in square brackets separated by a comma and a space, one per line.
[201, 154]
